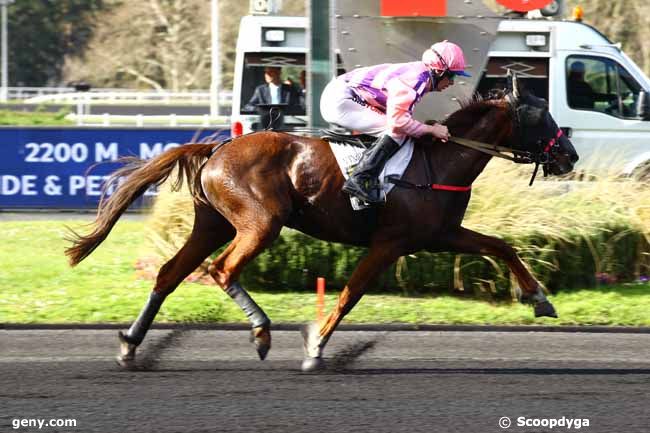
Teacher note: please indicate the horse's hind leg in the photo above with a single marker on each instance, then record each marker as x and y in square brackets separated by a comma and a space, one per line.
[470, 242]
[210, 231]
[250, 240]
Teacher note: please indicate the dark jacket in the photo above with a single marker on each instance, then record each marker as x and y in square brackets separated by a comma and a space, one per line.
[262, 95]
[580, 94]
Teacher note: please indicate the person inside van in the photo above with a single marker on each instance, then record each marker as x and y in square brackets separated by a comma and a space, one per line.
[300, 88]
[580, 93]
[273, 92]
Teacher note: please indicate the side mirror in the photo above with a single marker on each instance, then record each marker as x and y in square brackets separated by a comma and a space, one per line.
[643, 105]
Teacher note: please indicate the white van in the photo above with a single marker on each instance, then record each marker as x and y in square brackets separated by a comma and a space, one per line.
[606, 115]
[268, 41]
[597, 94]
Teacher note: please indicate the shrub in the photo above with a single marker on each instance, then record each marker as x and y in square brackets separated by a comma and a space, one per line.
[571, 234]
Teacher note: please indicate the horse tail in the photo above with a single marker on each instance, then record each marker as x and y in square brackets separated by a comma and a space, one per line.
[138, 176]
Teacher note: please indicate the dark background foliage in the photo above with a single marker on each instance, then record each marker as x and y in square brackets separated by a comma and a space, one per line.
[43, 32]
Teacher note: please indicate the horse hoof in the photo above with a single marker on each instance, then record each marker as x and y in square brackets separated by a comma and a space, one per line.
[313, 364]
[261, 336]
[545, 309]
[311, 341]
[126, 358]
[125, 363]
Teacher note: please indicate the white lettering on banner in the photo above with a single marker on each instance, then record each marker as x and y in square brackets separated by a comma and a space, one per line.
[13, 185]
[80, 152]
[60, 152]
[75, 183]
[147, 151]
[103, 153]
[90, 185]
[52, 186]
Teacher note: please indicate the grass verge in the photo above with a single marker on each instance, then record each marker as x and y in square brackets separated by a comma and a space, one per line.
[36, 118]
[39, 287]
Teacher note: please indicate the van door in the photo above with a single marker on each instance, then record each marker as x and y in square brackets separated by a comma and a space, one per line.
[597, 99]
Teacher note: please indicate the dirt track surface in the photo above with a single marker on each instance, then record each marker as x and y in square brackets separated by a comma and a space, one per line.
[211, 381]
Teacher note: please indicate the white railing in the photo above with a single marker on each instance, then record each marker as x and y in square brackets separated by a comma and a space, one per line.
[130, 97]
[141, 120]
[29, 92]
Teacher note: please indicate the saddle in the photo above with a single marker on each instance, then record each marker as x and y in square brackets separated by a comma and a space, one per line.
[356, 140]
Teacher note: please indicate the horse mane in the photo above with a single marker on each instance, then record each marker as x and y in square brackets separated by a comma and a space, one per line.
[475, 107]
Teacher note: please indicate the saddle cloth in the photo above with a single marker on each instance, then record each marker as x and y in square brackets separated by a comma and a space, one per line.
[347, 155]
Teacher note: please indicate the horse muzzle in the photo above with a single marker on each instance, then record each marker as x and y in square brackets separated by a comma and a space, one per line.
[562, 164]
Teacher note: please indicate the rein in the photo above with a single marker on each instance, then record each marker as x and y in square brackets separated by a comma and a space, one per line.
[518, 156]
[426, 186]
[490, 149]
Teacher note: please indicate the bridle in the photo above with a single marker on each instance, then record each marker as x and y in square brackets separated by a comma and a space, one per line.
[544, 156]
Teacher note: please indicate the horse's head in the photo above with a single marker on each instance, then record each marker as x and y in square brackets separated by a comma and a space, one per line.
[537, 133]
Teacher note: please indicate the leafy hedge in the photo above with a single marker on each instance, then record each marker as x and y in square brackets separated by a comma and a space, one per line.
[571, 235]
[616, 254]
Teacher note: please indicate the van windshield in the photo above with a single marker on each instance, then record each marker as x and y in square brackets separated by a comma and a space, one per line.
[273, 79]
[600, 84]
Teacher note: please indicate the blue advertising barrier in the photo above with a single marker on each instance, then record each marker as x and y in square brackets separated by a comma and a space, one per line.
[64, 168]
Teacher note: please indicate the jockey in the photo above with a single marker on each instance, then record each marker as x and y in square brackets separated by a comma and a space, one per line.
[379, 100]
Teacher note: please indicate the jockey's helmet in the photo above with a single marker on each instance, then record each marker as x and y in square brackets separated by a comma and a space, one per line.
[445, 56]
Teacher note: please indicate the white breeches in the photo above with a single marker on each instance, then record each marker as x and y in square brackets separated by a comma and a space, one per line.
[339, 105]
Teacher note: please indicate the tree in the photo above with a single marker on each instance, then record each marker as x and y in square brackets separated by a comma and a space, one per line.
[159, 44]
[162, 44]
[41, 33]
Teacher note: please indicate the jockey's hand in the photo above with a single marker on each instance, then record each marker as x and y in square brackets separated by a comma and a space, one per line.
[440, 132]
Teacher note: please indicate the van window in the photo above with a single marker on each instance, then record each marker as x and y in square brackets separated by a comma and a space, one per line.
[602, 85]
[254, 89]
[532, 74]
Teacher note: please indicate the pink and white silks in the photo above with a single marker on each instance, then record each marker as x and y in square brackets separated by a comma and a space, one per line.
[379, 99]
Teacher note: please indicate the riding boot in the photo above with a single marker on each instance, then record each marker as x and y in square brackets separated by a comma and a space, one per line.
[363, 182]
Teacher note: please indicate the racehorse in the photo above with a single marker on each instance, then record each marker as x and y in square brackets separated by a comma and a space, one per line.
[247, 189]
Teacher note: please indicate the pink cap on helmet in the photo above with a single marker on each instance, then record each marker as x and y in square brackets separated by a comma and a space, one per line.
[452, 58]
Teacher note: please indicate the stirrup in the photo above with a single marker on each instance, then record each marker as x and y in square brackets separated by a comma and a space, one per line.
[372, 195]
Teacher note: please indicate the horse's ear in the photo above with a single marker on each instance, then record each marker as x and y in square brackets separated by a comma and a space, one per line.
[512, 89]
[516, 90]
[509, 80]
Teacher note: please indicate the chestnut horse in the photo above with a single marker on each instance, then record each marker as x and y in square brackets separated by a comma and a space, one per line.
[247, 189]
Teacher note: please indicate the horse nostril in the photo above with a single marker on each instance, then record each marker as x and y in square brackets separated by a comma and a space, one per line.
[574, 158]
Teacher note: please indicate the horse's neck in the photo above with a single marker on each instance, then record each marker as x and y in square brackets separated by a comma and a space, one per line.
[455, 164]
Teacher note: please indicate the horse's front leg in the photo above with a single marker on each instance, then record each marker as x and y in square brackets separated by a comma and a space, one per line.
[316, 335]
[471, 242]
